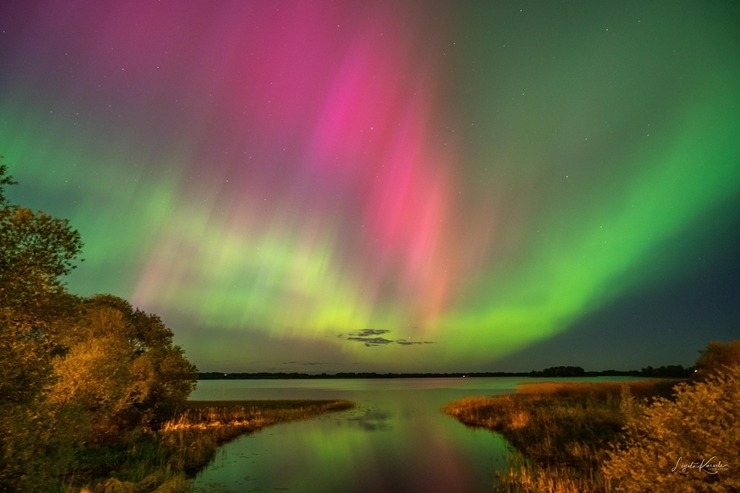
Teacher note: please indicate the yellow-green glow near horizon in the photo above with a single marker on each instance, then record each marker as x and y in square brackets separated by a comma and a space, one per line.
[384, 186]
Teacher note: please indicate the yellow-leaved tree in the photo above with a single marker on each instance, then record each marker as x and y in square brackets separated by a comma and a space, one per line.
[118, 366]
[78, 377]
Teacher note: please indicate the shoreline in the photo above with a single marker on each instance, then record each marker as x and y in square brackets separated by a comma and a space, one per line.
[169, 458]
[560, 431]
[675, 371]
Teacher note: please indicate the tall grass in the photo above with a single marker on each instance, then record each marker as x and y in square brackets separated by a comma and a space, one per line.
[162, 461]
[193, 438]
[562, 431]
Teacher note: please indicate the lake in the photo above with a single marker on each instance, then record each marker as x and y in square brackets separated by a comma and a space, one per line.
[396, 439]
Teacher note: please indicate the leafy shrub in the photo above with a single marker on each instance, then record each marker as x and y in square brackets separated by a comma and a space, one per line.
[718, 357]
[685, 444]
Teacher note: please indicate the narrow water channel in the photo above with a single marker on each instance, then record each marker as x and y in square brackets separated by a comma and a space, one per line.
[396, 439]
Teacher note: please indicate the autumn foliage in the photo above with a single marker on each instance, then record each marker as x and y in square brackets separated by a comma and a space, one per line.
[80, 378]
[636, 436]
[686, 444]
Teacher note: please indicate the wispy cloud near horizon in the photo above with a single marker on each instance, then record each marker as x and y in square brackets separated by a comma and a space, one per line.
[372, 338]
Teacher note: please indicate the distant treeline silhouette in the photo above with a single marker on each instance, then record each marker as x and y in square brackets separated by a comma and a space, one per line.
[670, 371]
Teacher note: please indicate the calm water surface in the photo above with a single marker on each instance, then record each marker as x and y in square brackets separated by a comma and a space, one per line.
[395, 440]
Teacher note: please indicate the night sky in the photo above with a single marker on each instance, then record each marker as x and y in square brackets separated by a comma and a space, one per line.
[394, 185]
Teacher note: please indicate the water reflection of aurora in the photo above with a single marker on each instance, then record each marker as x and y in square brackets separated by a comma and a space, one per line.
[470, 182]
[395, 440]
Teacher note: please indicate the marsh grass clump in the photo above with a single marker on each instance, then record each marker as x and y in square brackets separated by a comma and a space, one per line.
[562, 431]
[650, 435]
[190, 441]
[164, 460]
[524, 476]
[676, 436]
[564, 424]
[598, 390]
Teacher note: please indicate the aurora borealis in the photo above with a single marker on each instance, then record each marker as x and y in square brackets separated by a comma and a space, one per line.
[391, 185]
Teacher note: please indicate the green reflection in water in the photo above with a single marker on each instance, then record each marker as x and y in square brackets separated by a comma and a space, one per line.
[395, 440]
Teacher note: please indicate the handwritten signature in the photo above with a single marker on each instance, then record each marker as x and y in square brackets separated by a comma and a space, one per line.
[708, 466]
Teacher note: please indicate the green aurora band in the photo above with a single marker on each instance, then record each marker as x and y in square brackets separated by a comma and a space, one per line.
[466, 182]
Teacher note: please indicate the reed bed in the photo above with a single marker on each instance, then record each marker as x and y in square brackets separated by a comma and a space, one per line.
[196, 434]
[561, 431]
[599, 390]
[164, 460]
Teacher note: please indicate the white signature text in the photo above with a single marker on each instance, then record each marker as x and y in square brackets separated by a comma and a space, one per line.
[713, 465]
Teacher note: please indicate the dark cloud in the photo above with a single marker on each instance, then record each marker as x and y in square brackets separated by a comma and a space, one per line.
[371, 341]
[369, 332]
[304, 363]
[406, 342]
[372, 337]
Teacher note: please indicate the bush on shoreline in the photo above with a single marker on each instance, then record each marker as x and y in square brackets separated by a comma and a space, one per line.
[684, 444]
